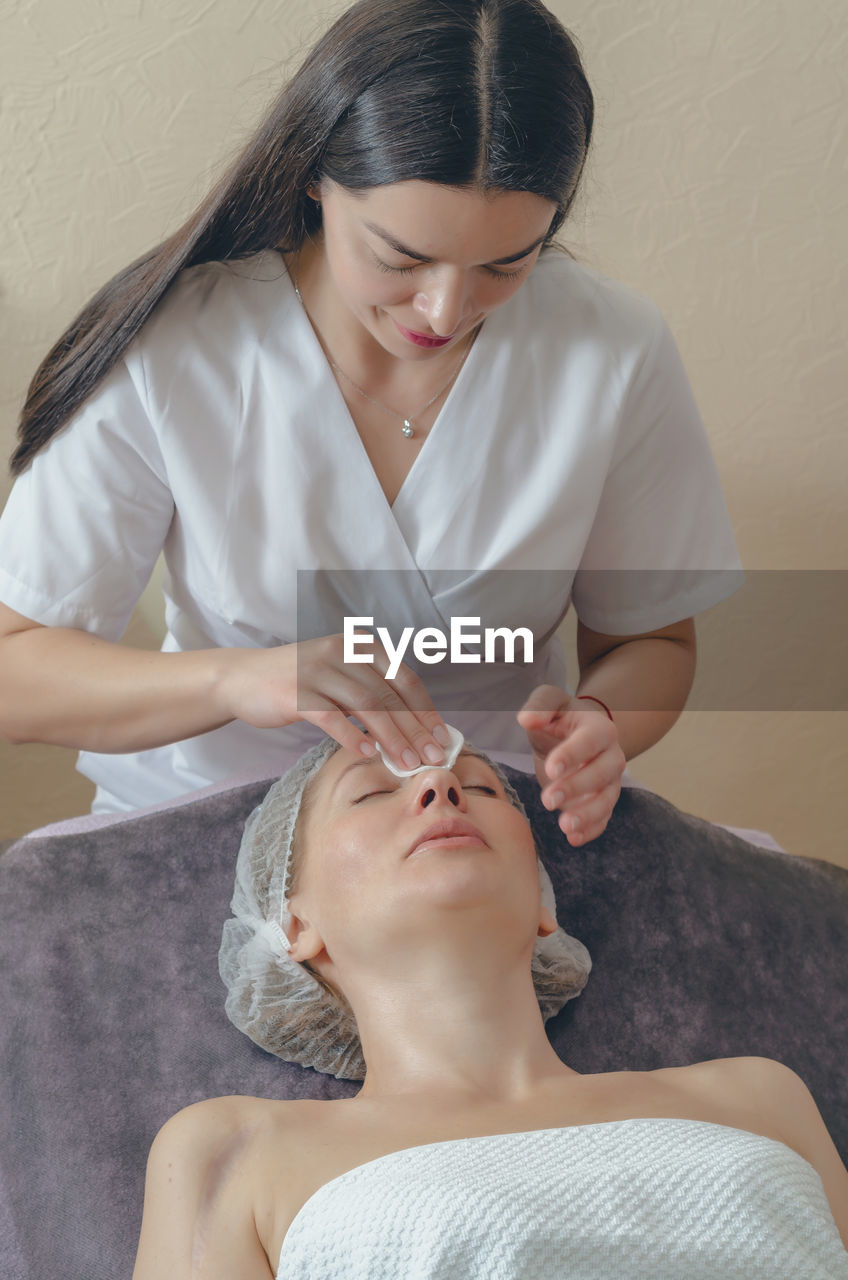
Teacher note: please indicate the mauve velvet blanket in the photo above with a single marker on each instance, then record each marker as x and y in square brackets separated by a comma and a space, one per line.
[112, 1009]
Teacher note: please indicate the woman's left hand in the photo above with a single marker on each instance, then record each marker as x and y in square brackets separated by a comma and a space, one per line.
[578, 759]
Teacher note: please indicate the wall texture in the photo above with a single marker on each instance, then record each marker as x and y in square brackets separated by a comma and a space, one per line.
[718, 186]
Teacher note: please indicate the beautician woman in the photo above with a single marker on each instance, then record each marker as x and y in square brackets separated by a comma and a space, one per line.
[363, 353]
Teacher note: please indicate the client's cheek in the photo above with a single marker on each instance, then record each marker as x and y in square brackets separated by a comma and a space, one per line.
[515, 823]
[351, 864]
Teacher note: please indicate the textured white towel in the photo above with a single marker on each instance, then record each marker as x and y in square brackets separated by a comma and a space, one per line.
[639, 1199]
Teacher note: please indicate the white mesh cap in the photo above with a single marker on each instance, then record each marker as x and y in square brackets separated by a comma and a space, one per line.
[277, 1002]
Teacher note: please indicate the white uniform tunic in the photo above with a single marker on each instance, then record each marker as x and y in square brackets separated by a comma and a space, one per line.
[568, 463]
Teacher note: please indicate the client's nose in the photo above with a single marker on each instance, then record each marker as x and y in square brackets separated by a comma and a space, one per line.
[439, 784]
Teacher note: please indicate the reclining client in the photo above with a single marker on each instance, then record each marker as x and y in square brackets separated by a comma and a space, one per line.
[401, 929]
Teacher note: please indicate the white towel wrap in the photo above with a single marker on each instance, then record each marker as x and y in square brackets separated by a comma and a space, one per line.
[646, 1199]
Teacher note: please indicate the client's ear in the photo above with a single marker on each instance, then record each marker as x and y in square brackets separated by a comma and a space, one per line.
[306, 941]
[547, 925]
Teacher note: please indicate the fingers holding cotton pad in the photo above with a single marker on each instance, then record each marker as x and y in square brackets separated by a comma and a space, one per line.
[457, 741]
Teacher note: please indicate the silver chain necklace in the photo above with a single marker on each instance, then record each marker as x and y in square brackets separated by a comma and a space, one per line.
[408, 427]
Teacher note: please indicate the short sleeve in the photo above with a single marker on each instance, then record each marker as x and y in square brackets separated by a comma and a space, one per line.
[661, 546]
[83, 526]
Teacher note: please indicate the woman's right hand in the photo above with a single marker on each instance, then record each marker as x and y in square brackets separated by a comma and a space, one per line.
[311, 681]
[72, 689]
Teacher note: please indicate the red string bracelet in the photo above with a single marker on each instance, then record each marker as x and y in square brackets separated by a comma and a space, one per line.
[591, 697]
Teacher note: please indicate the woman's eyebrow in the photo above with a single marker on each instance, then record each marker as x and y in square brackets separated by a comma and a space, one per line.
[422, 257]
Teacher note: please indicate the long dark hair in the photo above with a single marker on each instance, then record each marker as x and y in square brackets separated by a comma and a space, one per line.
[487, 93]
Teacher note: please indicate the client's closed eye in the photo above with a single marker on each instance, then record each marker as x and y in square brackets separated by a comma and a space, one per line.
[479, 786]
[383, 791]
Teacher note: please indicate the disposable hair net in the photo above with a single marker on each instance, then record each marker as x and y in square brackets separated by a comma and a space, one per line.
[277, 1002]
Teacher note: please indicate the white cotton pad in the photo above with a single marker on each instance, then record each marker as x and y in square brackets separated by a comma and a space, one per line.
[456, 744]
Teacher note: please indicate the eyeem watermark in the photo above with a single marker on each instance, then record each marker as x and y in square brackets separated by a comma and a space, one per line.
[431, 645]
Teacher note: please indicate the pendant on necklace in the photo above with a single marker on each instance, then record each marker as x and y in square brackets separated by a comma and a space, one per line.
[407, 428]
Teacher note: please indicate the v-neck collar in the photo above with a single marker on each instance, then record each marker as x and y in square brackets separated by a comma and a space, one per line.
[422, 462]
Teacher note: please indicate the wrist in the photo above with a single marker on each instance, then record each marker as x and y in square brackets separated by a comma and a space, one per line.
[592, 698]
[222, 668]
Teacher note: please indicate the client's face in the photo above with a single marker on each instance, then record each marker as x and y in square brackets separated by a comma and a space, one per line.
[387, 852]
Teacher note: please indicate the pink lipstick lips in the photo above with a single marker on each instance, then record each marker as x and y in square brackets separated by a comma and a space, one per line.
[421, 339]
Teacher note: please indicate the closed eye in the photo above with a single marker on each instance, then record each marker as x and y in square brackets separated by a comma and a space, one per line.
[384, 791]
[479, 786]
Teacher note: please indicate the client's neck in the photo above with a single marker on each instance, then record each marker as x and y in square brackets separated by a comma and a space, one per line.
[464, 1030]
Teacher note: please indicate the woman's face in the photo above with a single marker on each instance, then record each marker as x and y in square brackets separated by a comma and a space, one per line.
[420, 265]
[379, 848]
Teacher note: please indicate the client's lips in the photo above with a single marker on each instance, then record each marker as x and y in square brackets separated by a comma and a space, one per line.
[448, 831]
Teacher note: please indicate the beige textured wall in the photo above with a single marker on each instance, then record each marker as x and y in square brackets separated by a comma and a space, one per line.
[718, 186]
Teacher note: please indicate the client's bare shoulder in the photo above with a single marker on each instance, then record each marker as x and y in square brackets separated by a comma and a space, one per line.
[208, 1210]
[759, 1094]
